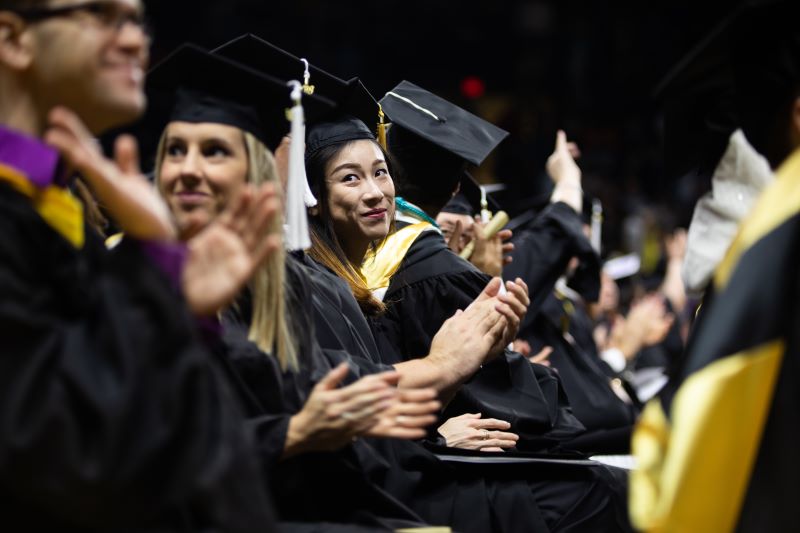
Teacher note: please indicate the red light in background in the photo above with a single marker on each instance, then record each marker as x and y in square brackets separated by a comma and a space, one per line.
[472, 87]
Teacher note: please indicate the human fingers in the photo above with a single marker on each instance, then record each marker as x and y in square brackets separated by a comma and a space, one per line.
[333, 378]
[505, 234]
[390, 377]
[363, 406]
[561, 141]
[573, 150]
[520, 292]
[508, 247]
[511, 316]
[491, 449]
[405, 407]
[454, 242]
[522, 346]
[261, 219]
[126, 155]
[490, 291]
[490, 423]
[511, 300]
[357, 395]
[541, 358]
[521, 283]
[498, 443]
[64, 118]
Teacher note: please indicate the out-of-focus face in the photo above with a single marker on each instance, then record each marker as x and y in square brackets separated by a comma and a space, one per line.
[91, 60]
[609, 294]
[360, 195]
[204, 166]
[447, 223]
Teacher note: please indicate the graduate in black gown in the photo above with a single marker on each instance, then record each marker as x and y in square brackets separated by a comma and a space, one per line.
[212, 147]
[422, 282]
[435, 490]
[469, 499]
[560, 323]
[115, 417]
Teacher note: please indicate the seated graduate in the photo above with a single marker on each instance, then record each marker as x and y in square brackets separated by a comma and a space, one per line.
[468, 501]
[114, 415]
[463, 219]
[423, 283]
[215, 145]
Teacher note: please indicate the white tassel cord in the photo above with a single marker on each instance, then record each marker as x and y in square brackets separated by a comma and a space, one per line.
[298, 195]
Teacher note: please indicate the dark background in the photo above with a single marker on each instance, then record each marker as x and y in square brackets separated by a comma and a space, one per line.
[589, 67]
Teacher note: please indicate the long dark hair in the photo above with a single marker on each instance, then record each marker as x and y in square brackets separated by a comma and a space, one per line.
[325, 245]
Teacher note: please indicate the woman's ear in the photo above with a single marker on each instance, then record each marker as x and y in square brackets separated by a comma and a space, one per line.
[313, 211]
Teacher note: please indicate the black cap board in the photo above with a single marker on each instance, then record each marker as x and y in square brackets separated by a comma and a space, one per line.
[468, 199]
[193, 85]
[351, 97]
[441, 123]
[328, 133]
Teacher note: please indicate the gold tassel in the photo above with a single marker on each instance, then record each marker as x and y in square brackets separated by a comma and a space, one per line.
[381, 128]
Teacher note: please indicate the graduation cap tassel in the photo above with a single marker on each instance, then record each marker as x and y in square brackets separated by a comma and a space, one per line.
[486, 215]
[307, 87]
[298, 195]
[597, 225]
[381, 128]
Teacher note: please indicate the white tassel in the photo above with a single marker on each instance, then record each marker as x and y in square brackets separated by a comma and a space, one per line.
[298, 195]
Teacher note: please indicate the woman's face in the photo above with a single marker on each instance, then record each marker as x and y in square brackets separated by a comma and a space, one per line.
[360, 195]
[204, 167]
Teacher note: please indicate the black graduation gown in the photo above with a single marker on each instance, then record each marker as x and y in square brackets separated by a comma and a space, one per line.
[319, 487]
[430, 285]
[608, 419]
[467, 499]
[114, 415]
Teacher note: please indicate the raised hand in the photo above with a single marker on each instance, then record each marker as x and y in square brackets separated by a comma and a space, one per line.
[224, 255]
[333, 416]
[565, 173]
[471, 432]
[118, 186]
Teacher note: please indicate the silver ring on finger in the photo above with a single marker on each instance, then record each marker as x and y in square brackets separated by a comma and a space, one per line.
[348, 416]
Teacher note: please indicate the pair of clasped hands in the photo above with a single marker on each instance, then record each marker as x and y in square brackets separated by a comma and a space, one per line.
[224, 255]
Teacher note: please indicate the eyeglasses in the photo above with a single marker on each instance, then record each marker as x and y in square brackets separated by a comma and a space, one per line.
[110, 14]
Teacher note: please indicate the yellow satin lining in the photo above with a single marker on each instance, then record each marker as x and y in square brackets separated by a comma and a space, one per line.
[693, 476]
[379, 266]
[56, 205]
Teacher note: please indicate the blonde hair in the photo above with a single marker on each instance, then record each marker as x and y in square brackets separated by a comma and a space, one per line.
[270, 327]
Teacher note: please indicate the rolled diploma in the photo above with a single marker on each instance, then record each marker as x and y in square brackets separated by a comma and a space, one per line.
[499, 220]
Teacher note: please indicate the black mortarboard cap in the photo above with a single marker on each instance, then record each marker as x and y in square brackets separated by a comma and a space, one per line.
[468, 199]
[440, 123]
[340, 130]
[193, 85]
[351, 97]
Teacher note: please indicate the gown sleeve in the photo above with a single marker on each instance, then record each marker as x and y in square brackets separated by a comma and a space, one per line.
[543, 250]
[111, 409]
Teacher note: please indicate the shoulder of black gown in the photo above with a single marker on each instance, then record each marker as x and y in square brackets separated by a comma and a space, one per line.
[342, 330]
[430, 285]
[113, 411]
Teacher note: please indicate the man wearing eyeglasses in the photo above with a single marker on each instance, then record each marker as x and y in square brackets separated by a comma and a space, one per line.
[112, 414]
[87, 56]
